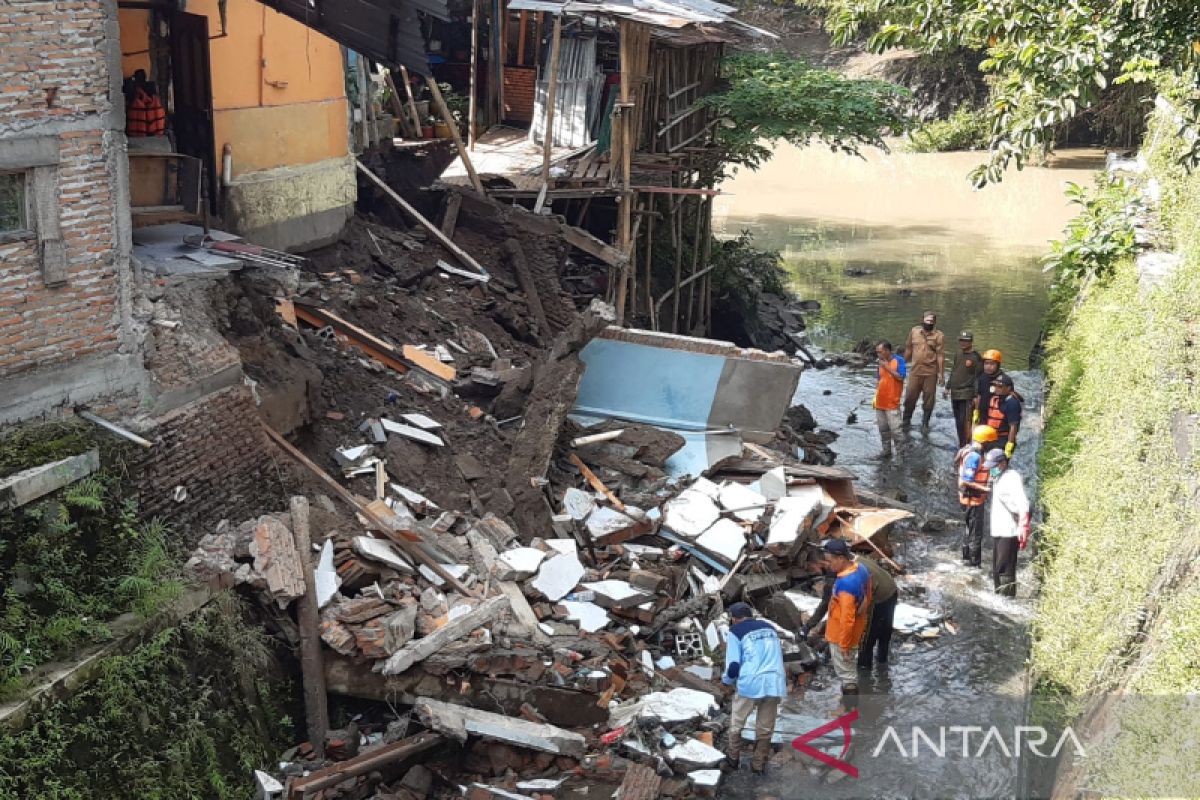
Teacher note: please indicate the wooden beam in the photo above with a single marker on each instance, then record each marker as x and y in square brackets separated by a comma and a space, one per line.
[312, 667]
[521, 38]
[405, 540]
[361, 765]
[398, 105]
[676, 190]
[448, 118]
[462, 255]
[472, 103]
[577, 237]
[450, 218]
[551, 92]
[412, 103]
[626, 200]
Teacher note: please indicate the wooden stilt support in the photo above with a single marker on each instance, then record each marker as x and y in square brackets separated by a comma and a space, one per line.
[448, 118]
[551, 93]
[412, 103]
[472, 102]
[312, 665]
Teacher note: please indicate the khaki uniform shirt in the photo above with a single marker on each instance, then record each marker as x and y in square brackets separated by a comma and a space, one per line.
[926, 347]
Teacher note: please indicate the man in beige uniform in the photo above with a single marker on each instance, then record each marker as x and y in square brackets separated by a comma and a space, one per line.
[925, 353]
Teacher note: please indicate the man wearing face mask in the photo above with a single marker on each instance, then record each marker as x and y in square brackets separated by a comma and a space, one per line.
[925, 354]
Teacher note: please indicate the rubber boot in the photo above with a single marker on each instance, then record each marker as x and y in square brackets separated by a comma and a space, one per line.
[762, 751]
[733, 754]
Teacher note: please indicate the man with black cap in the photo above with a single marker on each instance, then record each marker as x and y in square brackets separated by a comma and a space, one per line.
[963, 385]
[754, 665]
[1004, 414]
[925, 354]
[849, 608]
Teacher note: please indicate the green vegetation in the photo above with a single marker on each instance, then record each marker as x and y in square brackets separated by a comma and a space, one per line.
[966, 129]
[72, 562]
[1120, 604]
[1048, 61]
[1101, 236]
[775, 96]
[188, 715]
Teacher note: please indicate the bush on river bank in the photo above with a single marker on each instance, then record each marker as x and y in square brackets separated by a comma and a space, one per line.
[1120, 598]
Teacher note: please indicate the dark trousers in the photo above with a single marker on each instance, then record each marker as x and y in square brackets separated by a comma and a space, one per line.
[1004, 564]
[878, 633]
[972, 544]
[962, 420]
[923, 387]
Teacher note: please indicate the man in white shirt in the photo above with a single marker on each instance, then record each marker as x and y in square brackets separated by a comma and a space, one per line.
[1009, 521]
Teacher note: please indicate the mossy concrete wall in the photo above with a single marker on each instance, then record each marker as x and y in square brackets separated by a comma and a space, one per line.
[293, 208]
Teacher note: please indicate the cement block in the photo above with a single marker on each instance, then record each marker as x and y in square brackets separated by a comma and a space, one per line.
[28, 485]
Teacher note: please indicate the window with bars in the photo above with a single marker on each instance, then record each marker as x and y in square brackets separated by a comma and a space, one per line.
[13, 205]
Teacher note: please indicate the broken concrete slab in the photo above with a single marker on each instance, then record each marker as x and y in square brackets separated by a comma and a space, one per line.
[725, 540]
[701, 671]
[414, 499]
[268, 787]
[35, 482]
[591, 617]
[558, 576]
[523, 612]
[275, 558]
[578, 503]
[399, 628]
[695, 755]
[705, 778]
[459, 722]
[421, 421]
[690, 513]
[773, 483]
[452, 631]
[384, 552]
[677, 705]
[617, 594]
[608, 526]
[412, 432]
[352, 457]
[794, 516]
[456, 571]
[326, 575]
[566, 546]
[519, 563]
[543, 785]
[745, 503]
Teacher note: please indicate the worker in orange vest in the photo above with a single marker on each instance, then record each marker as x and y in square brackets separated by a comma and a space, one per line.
[1004, 414]
[973, 477]
[892, 370]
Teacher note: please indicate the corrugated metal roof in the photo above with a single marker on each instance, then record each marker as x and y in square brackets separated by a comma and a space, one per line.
[663, 14]
[385, 31]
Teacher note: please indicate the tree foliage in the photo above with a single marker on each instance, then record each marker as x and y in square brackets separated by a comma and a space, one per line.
[1049, 59]
[774, 96]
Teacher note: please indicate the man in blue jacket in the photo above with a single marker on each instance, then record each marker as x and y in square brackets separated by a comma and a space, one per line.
[754, 664]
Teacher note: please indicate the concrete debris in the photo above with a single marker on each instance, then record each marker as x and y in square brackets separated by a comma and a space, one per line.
[422, 421]
[695, 755]
[268, 787]
[566, 546]
[459, 722]
[616, 594]
[412, 432]
[591, 617]
[725, 540]
[745, 503]
[414, 500]
[558, 576]
[705, 778]
[691, 513]
[519, 564]
[352, 457]
[28, 485]
[326, 576]
[276, 560]
[578, 504]
[450, 632]
[384, 552]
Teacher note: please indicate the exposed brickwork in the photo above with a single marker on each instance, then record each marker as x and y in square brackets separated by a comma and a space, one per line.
[52, 71]
[181, 357]
[216, 450]
[518, 93]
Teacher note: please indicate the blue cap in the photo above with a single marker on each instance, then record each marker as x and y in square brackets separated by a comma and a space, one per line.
[994, 457]
[837, 547]
[741, 611]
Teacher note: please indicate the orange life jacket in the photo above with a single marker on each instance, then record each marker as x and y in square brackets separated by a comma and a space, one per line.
[995, 417]
[145, 115]
[967, 495]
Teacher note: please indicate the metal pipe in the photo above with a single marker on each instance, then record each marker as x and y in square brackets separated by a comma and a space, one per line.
[114, 428]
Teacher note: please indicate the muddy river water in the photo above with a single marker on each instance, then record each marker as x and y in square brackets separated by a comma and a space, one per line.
[877, 240]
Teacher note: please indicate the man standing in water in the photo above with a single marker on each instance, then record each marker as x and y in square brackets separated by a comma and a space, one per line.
[1004, 414]
[973, 490]
[892, 370]
[754, 666]
[963, 385]
[849, 608]
[1008, 520]
[925, 353]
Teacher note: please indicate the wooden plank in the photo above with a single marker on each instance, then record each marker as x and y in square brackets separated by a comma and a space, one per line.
[362, 764]
[677, 190]
[595, 482]
[312, 667]
[521, 39]
[398, 104]
[450, 218]
[577, 237]
[473, 88]
[404, 539]
[551, 92]
[412, 103]
[383, 356]
[445, 241]
[448, 118]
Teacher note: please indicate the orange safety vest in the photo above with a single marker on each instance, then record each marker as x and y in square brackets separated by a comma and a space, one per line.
[968, 496]
[145, 115]
[996, 418]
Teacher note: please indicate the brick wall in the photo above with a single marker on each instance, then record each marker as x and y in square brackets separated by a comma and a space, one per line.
[55, 88]
[518, 93]
[216, 450]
